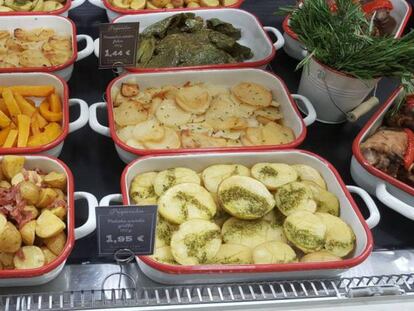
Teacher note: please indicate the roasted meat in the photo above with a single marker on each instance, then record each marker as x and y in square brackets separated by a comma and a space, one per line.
[385, 150]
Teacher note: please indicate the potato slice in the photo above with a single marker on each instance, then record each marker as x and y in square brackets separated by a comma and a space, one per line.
[306, 172]
[320, 256]
[252, 94]
[130, 113]
[46, 197]
[169, 114]
[196, 242]
[49, 256]
[126, 133]
[163, 232]
[149, 130]
[56, 180]
[129, 89]
[193, 5]
[274, 253]
[228, 2]
[186, 201]
[201, 140]
[305, 231]
[164, 255]
[194, 99]
[174, 176]
[270, 113]
[138, 4]
[213, 175]
[340, 239]
[245, 198]
[326, 201]
[29, 257]
[253, 137]
[274, 175]
[11, 165]
[229, 254]
[249, 233]
[293, 197]
[48, 225]
[210, 3]
[171, 140]
[276, 134]
[56, 243]
[142, 189]
[10, 239]
[28, 232]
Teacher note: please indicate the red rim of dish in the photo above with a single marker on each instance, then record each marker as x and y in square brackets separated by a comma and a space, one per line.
[298, 140]
[70, 232]
[247, 64]
[65, 8]
[260, 268]
[50, 68]
[362, 135]
[147, 11]
[65, 126]
[291, 33]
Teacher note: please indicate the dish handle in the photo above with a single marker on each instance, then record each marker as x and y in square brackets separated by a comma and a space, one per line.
[75, 3]
[107, 200]
[96, 47]
[90, 225]
[311, 117]
[93, 120]
[375, 216]
[280, 40]
[88, 49]
[83, 118]
[392, 202]
[98, 3]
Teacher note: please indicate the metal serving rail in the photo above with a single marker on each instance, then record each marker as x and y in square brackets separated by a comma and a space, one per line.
[81, 287]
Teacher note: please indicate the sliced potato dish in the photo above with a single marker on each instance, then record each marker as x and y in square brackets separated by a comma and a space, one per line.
[31, 5]
[198, 115]
[270, 213]
[32, 215]
[168, 4]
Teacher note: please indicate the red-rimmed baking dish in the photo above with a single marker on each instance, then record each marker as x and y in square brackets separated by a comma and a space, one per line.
[28, 277]
[113, 12]
[64, 11]
[254, 36]
[175, 274]
[392, 192]
[62, 26]
[54, 148]
[401, 12]
[225, 77]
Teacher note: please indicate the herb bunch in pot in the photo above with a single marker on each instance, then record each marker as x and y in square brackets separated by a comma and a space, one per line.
[345, 59]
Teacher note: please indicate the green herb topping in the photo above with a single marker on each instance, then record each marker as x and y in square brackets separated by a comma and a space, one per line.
[254, 204]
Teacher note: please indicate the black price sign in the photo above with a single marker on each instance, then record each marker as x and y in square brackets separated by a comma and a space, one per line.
[126, 227]
[118, 44]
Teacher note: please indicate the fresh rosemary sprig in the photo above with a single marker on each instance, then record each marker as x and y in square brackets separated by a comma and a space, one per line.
[342, 39]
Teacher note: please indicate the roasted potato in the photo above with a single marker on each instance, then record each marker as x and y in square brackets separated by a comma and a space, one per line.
[29, 257]
[11, 165]
[56, 243]
[28, 232]
[10, 239]
[49, 256]
[46, 197]
[56, 180]
[59, 211]
[29, 192]
[48, 225]
[7, 260]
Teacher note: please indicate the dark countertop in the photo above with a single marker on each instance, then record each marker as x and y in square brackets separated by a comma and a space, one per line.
[97, 167]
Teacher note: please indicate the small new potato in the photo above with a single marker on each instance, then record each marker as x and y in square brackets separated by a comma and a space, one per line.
[56, 180]
[29, 257]
[11, 165]
[59, 211]
[274, 252]
[49, 256]
[10, 239]
[56, 243]
[160, 3]
[29, 192]
[6, 260]
[28, 232]
[32, 210]
[3, 223]
[48, 225]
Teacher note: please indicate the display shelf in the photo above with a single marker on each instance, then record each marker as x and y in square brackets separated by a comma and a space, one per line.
[388, 274]
[385, 275]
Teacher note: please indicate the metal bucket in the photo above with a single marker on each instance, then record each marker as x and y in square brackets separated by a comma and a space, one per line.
[332, 93]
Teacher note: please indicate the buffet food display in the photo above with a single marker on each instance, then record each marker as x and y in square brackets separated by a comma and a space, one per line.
[209, 134]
